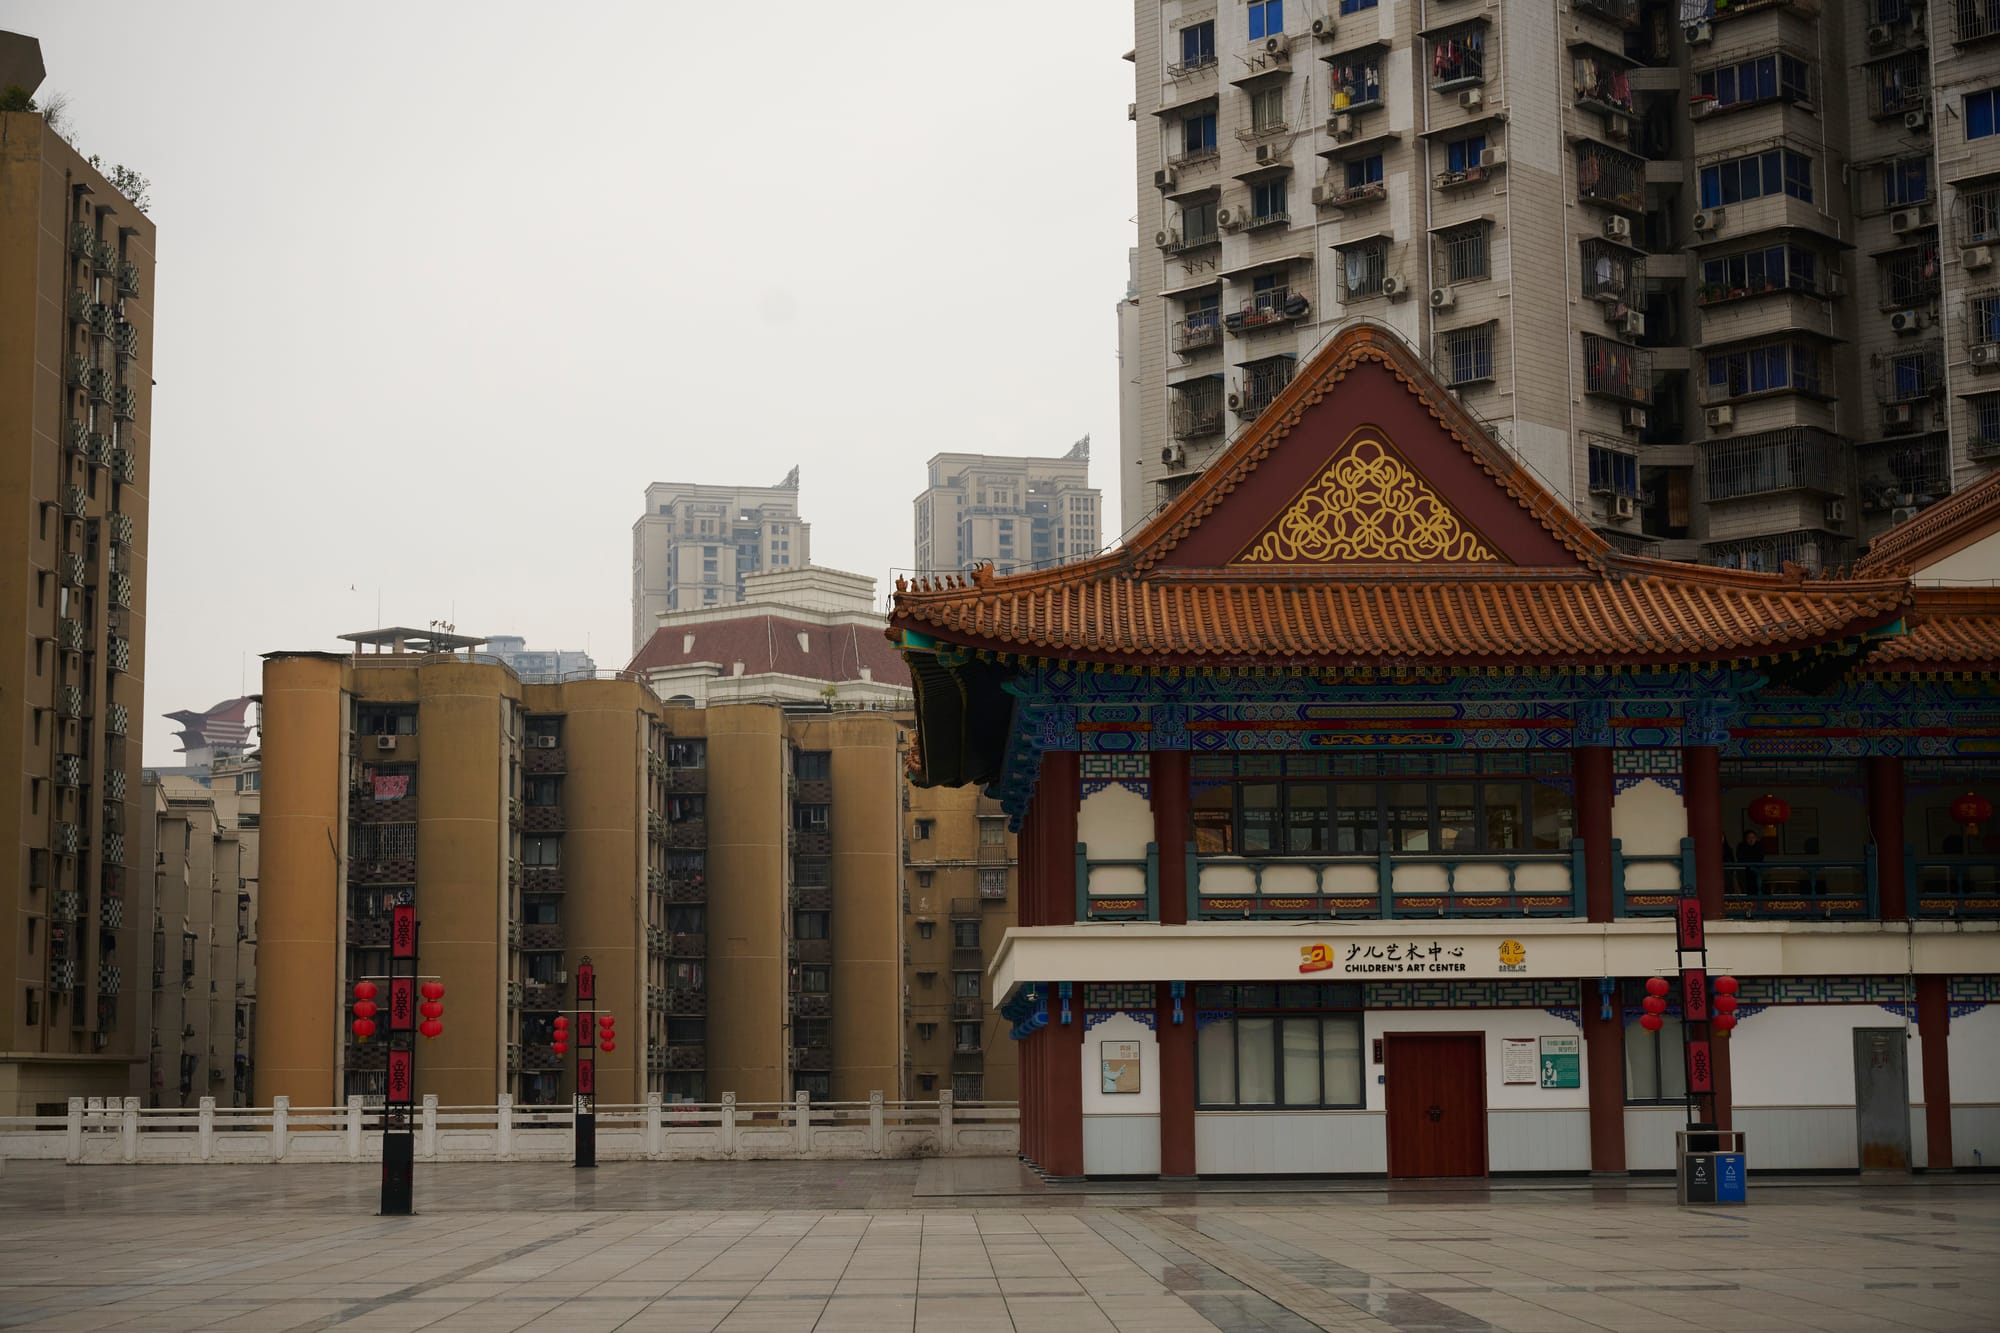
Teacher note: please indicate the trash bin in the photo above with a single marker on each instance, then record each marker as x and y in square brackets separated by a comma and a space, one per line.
[1710, 1165]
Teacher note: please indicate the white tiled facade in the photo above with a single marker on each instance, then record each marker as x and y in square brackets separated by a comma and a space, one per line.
[1521, 188]
[1017, 513]
[694, 545]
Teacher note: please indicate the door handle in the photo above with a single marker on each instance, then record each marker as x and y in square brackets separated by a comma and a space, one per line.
[1437, 1113]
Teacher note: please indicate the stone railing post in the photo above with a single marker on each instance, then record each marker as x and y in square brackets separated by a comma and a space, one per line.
[281, 1123]
[503, 1125]
[427, 1142]
[128, 1129]
[878, 1141]
[73, 1131]
[947, 1137]
[354, 1124]
[802, 1124]
[656, 1130]
[726, 1130]
[205, 1128]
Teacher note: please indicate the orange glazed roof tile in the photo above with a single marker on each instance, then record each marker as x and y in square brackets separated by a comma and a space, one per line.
[1366, 519]
[1949, 630]
[1958, 516]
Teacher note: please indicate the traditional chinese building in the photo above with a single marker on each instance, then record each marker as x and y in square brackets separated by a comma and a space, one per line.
[1357, 792]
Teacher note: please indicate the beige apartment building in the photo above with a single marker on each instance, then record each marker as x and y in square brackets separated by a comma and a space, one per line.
[1722, 275]
[694, 546]
[1013, 513]
[729, 872]
[76, 341]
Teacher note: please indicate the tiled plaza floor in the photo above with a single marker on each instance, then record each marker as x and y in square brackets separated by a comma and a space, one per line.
[971, 1247]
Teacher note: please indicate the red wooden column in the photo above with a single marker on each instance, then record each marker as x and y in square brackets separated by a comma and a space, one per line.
[1885, 826]
[1063, 1104]
[1176, 1082]
[1934, 1026]
[1590, 770]
[1701, 790]
[1604, 1060]
[1171, 829]
[1056, 798]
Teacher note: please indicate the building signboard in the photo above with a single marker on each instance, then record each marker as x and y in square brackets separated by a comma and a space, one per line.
[1562, 1062]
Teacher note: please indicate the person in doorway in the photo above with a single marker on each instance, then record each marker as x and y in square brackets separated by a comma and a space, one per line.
[1749, 853]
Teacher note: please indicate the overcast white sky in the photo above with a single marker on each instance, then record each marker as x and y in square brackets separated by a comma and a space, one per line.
[443, 286]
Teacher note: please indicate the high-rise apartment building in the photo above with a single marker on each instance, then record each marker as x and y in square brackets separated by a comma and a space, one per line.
[1016, 513]
[730, 873]
[694, 545]
[1722, 275]
[76, 340]
[536, 666]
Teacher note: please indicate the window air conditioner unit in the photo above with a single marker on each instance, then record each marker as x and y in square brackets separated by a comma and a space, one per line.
[1341, 125]
[1166, 238]
[545, 742]
[1721, 418]
[1395, 287]
[1896, 414]
[1977, 256]
[1881, 34]
[1906, 219]
[1443, 298]
[1708, 219]
[1229, 218]
[1235, 401]
[1635, 418]
[1618, 228]
[1174, 456]
[1323, 194]
[1324, 29]
[1279, 45]
[1918, 121]
[1623, 506]
[1471, 99]
[1634, 324]
[1986, 356]
[1836, 511]
[1490, 158]
[1906, 321]
[385, 742]
[1268, 152]
[1699, 34]
[1166, 178]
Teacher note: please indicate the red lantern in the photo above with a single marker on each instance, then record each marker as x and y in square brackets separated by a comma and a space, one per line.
[561, 1022]
[364, 1028]
[430, 1027]
[433, 990]
[607, 1045]
[431, 1009]
[1652, 1022]
[604, 1020]
[364, 990]
[561, 1046]
[1770, 811]
[1724, 1004]
[1722, 985]
[1971, 810]
[364, 1008]
[1656, 986]
[1723, 1022]
[1654, 1004]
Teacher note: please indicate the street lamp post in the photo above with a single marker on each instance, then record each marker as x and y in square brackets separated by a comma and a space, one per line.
[593, 1030]
[404, 1026]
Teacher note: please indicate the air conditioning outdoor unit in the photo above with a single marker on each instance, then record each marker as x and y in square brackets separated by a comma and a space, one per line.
[1720, 418]
[1471, 99]
[1896, 414]
[1985, 356]
[1268, 152]
[1917, 122]
[385, 742]
[1322, 194]
[1229, 218]
[1708, 219]
[1166, 178]
[1836, 511]
[1634, 324]
[1977, 256]
[1340, 124]
[1395, 287]
[1902, 514]
[1278, 45]
[1324, 29]
[1881, 34]
[1490, 158]
[545, 742]
[1443, 298]
[1166, 238]
[1235, 401]
[1174, 455]
[1699, 34]
[1906, 321]
[1636, 418]
[1618, 228]
[1906, 219]
[1623, 506]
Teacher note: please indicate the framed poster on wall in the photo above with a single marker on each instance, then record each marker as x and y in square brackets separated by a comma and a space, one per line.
[1119, 1064]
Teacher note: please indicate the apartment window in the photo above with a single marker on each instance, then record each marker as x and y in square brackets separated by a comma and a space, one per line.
[1779, 171]
[1772, 268]
[687, 919]
[686, 753]
[816, 980]
[1974, 19]
[32, 1009]
[925, 1031]
[1267, 200]
[923, 829]
[1467, 354]
[1463, 155]
[965, 985]
[1198, 45]
[1462, 252]
[544, 729]
[965, 934]
[1364, 171]
[813, 765]
[1910, 275]
[1202, 312]
[1299, 1059]
[1458, 57]
[1263, 380]
[1982, 314]
[1197, 407]
[1762, 79]
[1613, 472]
[1362, 268]
[1609, 271]
[812, 925]
[965, 1037]
[1898, 86]
[1607, 176]
[1357, 83]
[1984, 412]
[972, 1087]
[812, 872]
[1267, 19]
[1268, 293]
[379, 721]
[1794, 458]
[926, 929]
[1914, 375]
[810, 818]
[1198, 223]
[1267, 110]
[541, 849]
[1905, 182]
[1771, 368]
[1355, 6]
[541, 791]
[1198, 135]
[1617, 369]
[924, 878]
[993, 884]
[992, 832]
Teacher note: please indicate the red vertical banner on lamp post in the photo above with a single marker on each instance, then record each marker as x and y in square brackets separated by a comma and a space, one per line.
[1687, 915]
[1701, 1074]
[1694, 994]
[586, 1076]
[401, 1086]
[402, 1004]
[403, 932]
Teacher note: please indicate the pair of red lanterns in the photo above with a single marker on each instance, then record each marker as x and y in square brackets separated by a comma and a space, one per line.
[432, 1009]
[1722, 1001]
[607, 1034]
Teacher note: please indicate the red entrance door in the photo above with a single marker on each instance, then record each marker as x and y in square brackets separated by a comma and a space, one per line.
[1435, 1085]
